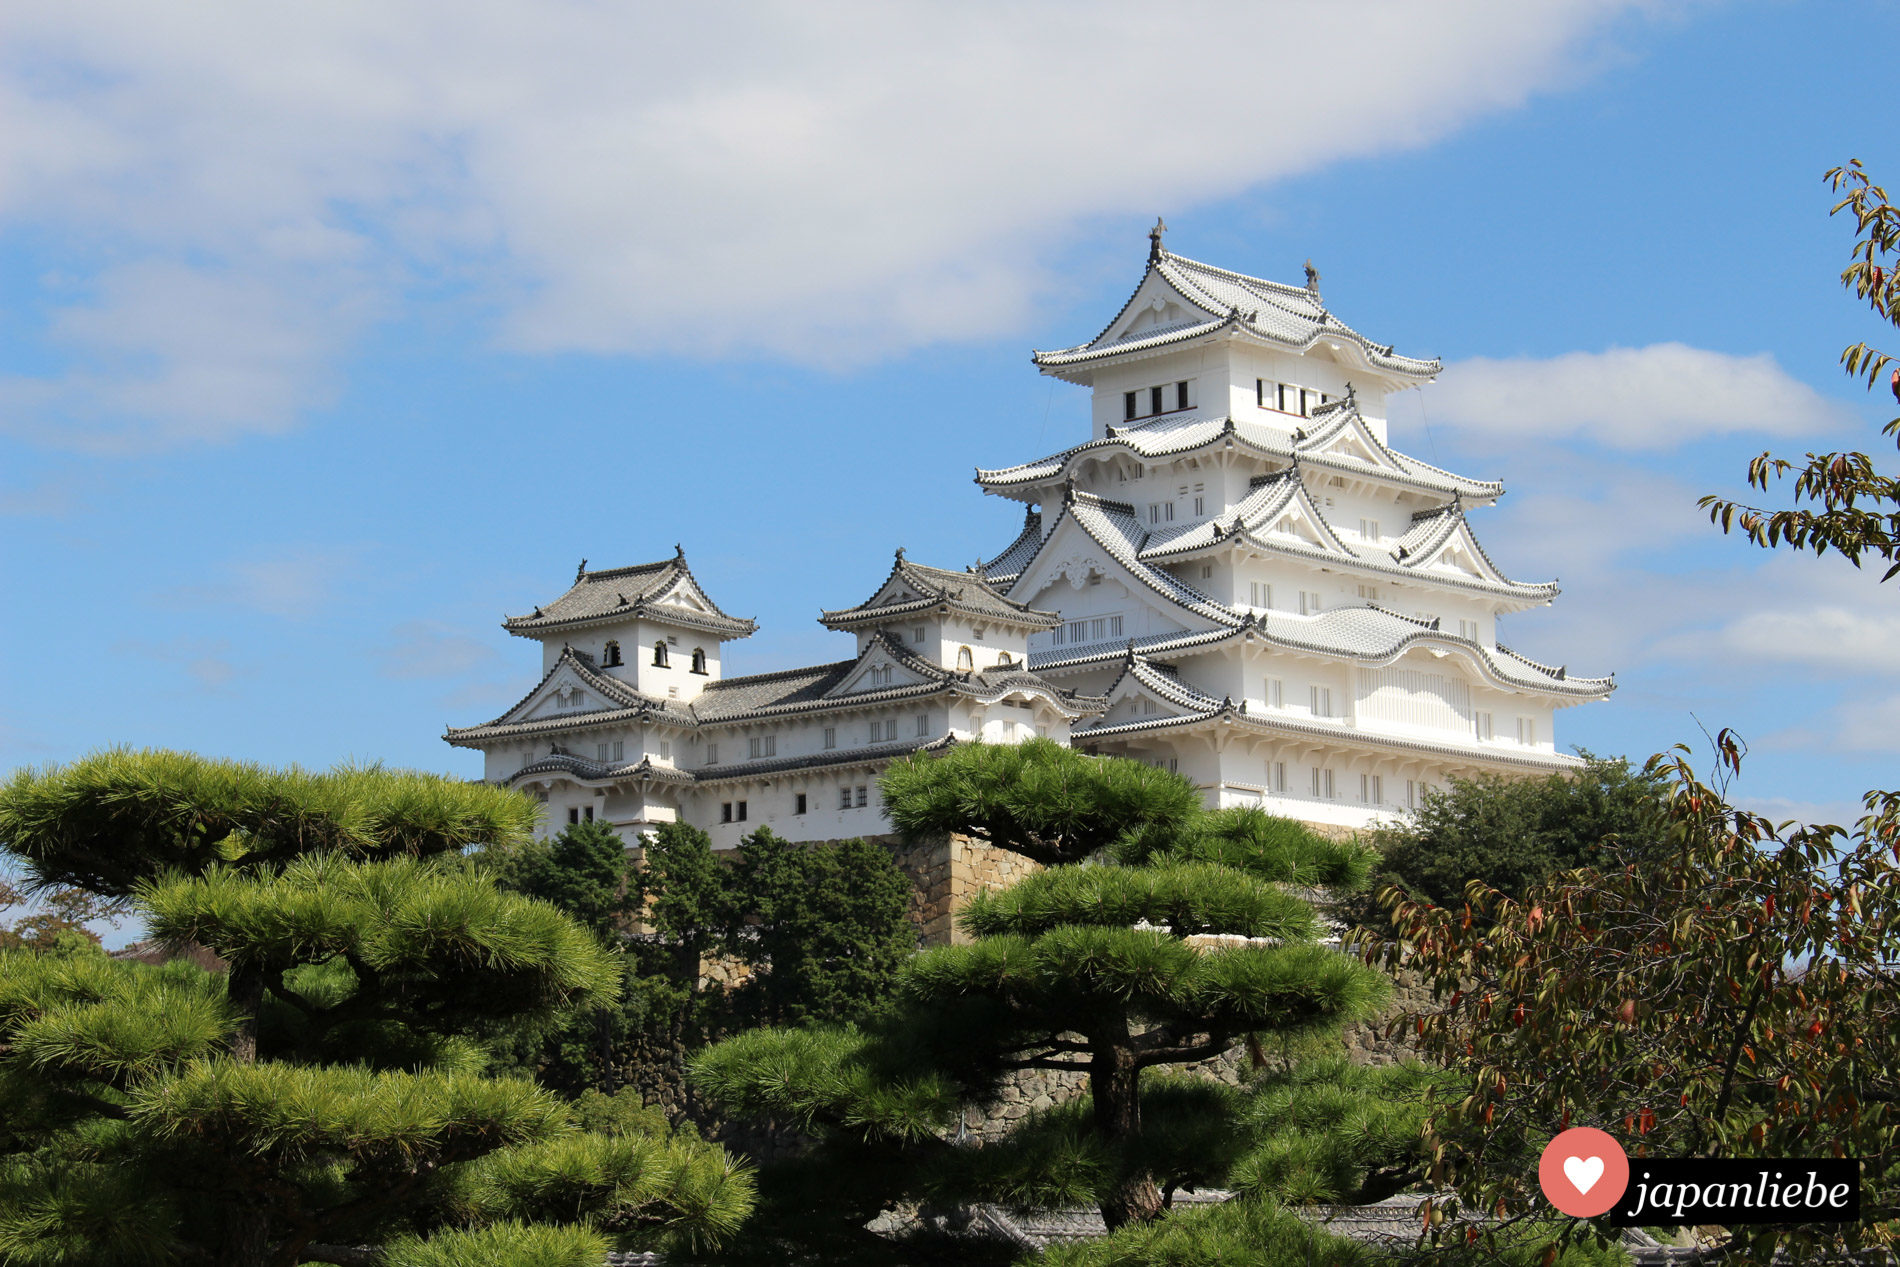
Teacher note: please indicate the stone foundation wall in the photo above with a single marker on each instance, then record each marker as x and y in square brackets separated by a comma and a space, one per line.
[943, 876]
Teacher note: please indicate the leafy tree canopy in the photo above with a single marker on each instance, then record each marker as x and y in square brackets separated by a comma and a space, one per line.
[324, 1100]
[1731, 993]
[1091, 966]
[1512, 833]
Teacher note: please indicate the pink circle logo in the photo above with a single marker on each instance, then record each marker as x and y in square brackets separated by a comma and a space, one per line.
[1583, 1172]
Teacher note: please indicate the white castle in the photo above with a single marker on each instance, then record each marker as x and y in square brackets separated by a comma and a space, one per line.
[1236, 577]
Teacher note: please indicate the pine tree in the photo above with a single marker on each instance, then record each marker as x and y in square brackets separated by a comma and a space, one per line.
[1157, 935]
[324, 1099]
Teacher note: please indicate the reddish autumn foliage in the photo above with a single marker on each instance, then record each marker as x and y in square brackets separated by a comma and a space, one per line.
[1671, 1003]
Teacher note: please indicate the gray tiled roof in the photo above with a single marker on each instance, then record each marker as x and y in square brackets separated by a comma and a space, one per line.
[1278, 725]
[1115, 527]
[1252, 518]
[625, 593]
[1373, 633]
[966, 592]
[626, 704]
[868, 754]
[1148, 645]
[1179, 437]
[1288, 316]
[1016, 556]
[816, 689]
[643, 770]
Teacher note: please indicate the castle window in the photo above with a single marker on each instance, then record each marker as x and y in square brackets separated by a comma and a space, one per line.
[1128, 406]
[923, 724]
[1207, 569]
[1276, 777]
[1482, 724]
[1180, 396]
[861, 796]
[1310, 604]
[1372, 789]
[1369, 529]
[573, 815]
[712, 754]
[964, 660]
[831, 736]
[610, 654]
[666, 750]
[1369, 592]
[1276, 693]
[1527, 730]
[699, 661]
[1468, 629]
[762, 746]
[844, 798]
[798, 803]
[1260, 594]
[1322, 700]
[659, 654]
[917, 633]
[740, 814]
[1154, 400]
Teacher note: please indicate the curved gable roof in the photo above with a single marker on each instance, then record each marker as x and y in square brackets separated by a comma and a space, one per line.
[626, 593]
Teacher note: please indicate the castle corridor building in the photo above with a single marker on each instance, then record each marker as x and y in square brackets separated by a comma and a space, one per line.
[1236, 577]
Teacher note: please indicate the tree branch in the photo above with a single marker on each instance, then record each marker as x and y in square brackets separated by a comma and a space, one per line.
[1182, 1055]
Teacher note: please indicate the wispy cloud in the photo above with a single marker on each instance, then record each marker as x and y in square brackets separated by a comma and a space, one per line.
[206, 661]
[430, 649]
[1657, 397]
[295, 585]
[241, 189]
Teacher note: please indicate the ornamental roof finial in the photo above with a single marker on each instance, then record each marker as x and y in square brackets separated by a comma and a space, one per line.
[679, 551]
[1312, 277]
[900, 553]
[581, 571]
[1155, 249]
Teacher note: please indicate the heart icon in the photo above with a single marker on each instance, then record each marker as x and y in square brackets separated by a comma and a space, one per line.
[1583, 1172]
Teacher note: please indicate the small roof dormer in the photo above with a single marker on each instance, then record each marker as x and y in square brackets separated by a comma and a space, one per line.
[666, 593]
[1179, 301]
[912, 589]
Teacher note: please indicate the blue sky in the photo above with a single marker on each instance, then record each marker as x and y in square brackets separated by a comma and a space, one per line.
[330, 337]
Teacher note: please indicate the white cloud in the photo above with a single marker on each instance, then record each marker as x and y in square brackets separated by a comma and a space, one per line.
[166, 351]
[430, 649]
[815, 181]
[1858, 725]
[1657, 397]
[1780, 809]
[207, 660]
[1855, 640]
[293, 586]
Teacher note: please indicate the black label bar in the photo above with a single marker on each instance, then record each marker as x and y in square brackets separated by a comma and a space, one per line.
[1673, 1191]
